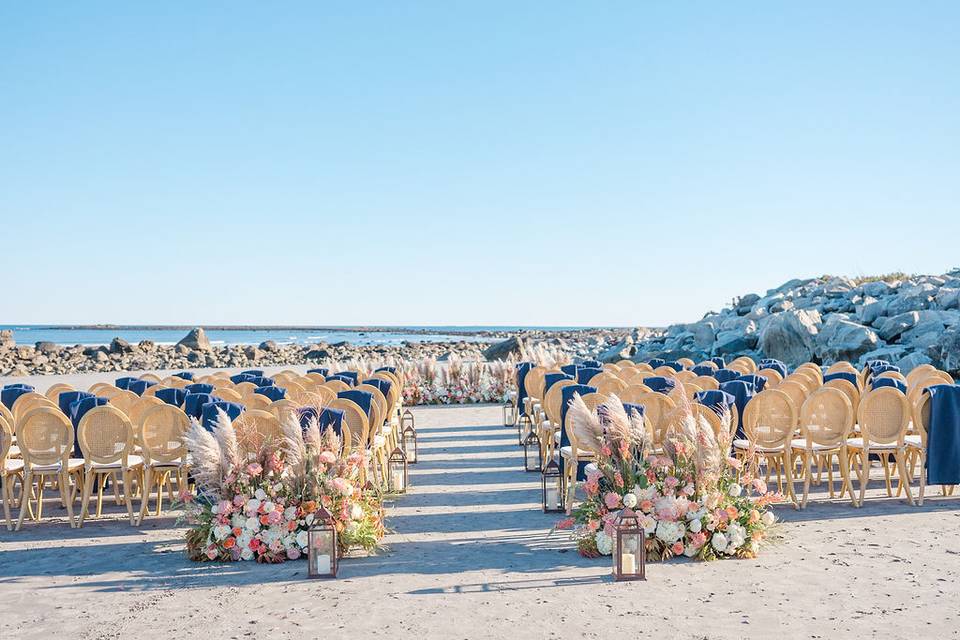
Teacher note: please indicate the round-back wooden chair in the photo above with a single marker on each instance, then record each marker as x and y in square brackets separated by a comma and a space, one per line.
[53, 393]
[769, 421]
[826, 422]
[161, 434]
[883, 416]
[105, 435]
[45, 437]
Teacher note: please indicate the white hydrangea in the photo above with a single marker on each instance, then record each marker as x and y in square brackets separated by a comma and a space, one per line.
[604, 543]
[252, 505]
[669, 532]
[252, 523]
[260, 494]
[302, 539]
[221, 531]
[268, 506]
[630, 501]
[246, 553]
[719, 542]
[695, 526]
[356, 511]
[768, 518]
[736, 536]
[290, 513]
[645, 494]
[649, 524]
[735, 490]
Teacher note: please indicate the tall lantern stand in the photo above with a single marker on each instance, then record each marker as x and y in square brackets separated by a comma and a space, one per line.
[322, 546]
[532, 460]
[552, 481]
[397, 471]
[408, 441]
[630, 554]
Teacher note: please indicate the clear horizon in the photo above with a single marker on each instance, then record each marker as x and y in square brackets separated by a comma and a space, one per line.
[429, 164]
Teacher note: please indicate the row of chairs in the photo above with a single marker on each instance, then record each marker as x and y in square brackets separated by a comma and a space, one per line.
[138, 439]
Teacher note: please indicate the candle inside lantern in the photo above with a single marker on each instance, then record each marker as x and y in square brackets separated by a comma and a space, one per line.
[321, 563]
[553, 497]
[398, 479]
[628, 563]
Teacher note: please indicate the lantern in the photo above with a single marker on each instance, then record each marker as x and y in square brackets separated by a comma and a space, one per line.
[406, 420]
[532, 460]
[509, 413]
[397, 471]
[630, 554]
[552, 488]
[408, 440]
[322, 546]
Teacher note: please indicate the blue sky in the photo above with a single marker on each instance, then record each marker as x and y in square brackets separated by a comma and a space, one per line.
[466, 163]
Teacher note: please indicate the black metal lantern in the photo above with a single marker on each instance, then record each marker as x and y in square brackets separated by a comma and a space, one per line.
[630, 554]
[509, 413]
[406, 420]
[408, 440]
[524, 425]
[322, 546]
[552, 481]
[532, 456]
[397, 471]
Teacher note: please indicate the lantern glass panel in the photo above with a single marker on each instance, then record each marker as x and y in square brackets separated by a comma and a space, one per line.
[397, 468]
[410, 445]
[531, 452]
[552, 488]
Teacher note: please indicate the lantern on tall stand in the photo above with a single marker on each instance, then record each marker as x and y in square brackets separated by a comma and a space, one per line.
[630, 554]
[397, 471]
[552, 481]
[532, 457]
[408, 440]
[322, 546]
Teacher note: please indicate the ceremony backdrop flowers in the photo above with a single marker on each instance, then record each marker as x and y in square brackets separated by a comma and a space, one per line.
[257, 498]
[693, 499]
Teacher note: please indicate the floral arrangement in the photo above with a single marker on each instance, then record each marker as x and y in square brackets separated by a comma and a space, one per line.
[258, 497]
[692, 498]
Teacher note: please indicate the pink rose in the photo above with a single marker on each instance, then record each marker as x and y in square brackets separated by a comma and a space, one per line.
[327, 457]
[293, 553]
[677, 548]
[239, 500]
[254, 469]
[612, 500]
[212, 553]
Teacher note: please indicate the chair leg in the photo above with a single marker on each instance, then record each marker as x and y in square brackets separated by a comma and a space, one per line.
[807, 472]
[41, 483]
[85, 499]
[145, 493]
[904, 478]
[64, 489]
[100, 483]
[116, 489]
[24, 497]
[126, 496]
[864, 473]
[921, 456]
[886, 472]
[845, 475]
[7, 496]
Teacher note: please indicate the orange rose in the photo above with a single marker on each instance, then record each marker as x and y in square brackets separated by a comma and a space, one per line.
[732, 512]
[229, 543]
[264, 520]
[754, 516]
[309, 506]
[237, 531]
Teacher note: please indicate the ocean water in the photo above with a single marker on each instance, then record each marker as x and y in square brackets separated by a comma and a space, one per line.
[30, 334]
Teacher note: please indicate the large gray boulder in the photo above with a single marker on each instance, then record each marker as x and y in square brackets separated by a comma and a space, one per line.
[512, 347]
[844, 340]
[949, 345]
[730, 342]
[623, 350]
[891, 328]
[6, 339]
[912, 361]
[196, 340]
[912, 298]
[790, 336]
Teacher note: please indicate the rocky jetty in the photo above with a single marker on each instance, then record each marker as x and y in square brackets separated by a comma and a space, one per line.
[907, 320]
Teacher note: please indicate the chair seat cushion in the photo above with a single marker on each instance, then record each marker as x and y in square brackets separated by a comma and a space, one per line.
[741, 443]
[801, 443]
[857, 443]
[379, 441]
[72, 465]
[13, 452]
[132, 461]
[567, 452]
[12, 466]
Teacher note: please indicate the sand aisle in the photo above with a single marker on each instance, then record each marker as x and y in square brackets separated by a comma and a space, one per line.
[470, 558]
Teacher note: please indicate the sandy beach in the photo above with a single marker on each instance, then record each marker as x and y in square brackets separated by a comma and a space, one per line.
[470, 556]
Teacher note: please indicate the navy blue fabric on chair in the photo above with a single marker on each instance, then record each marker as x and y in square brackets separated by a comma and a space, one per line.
[719, 361]
[719, 401]
[193, 403]
[10, 394]
[592, 364]
[124, 382]
[842, 375]
[344, 379]
[388, 369]
[322, 371]
[585, 374]
[523, 368]
[890, 382]
[570, 370]
[703, 370]
[208, 412]
[242, 377]
[353, 375]
[78, 409]
[726, 375]
[332, 418]
[256, 373]
[656, 362]
[553, 378]
[630, 408]
[172, 396]
[566, 395]
[362, 398]
[69, 397]
[776, 365]
[660, 384]
[742, 393]
[185, 375]
[880, 368]
[758, 382]
[261, 381]
[943, 435]
[139, 386]
[272, 392]
[306, 414]
[673, 364]
[381, 384]
[199, 387]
